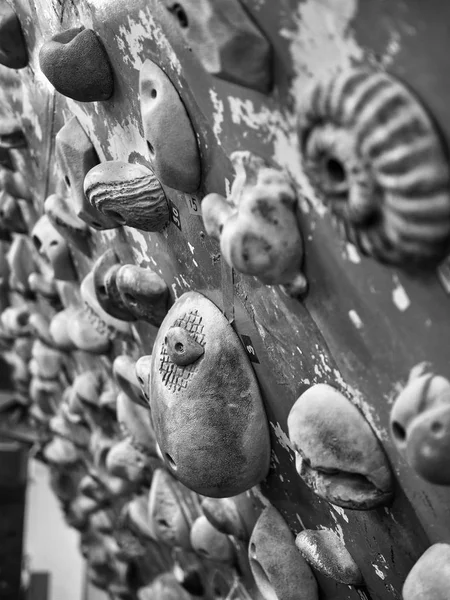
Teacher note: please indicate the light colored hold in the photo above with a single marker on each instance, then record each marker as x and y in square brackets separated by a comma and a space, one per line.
[182, 348]
[43, 285]
[125, 460]
[210, 543]
[49, 361]
[135, 422]
[53, 247]
[59, 329]
[164, 587]
[84, 336]
[63, 218]
[15, 184]
[234, 516]
[16, 321]
[430, 577]
[125, 375]
[171, 140]
[128, 194]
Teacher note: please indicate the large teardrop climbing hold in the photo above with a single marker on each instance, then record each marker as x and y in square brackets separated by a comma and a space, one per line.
[77, 65]
[353, 472]
[209, 417]
[171, 140]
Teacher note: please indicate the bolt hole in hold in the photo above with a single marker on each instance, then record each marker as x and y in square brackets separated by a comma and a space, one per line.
[171, 461]
[154, 93]
[179, 347]
[399, 432]
[437, 428]
[151, 149]
[37, 242]
[335, 170]
[178, 11]
[67, 181]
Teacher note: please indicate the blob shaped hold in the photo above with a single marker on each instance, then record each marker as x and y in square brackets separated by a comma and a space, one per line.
[125, 460]
[44, 285]
[135, 422]
[143, 374]
[226, 41]
[76, 157]
[210, 543]
[324, 551]
[59, 329]
[257, 226]
[65, 221]
[11, 133]
[420, 424]
[164, 587]
[53, 247]
[353, 472]
[234, 516]
[11, 215]
[61, 452]
[171, 140]
[128, 194]
[430, 577]
[172, 510]
[13, 50]
[374, 156]
[209, 418]
[77, 65]
[102, 321]
[280, 571]
[125, 375]
[84, 335]
[182, 347]
[49, 361]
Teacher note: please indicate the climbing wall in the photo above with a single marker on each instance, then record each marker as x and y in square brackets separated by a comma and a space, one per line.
[287, 161]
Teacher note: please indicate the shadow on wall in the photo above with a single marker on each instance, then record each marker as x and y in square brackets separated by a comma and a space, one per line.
[50, 545]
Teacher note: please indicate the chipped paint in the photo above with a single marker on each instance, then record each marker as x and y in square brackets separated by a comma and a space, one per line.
[399, 296]
[218, 110]
[340, 512]
[282, 438]
[141, 251]
[355, 319]
[352, 254]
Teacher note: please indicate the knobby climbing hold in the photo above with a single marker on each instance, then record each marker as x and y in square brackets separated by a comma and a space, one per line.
[258, 226]
[53, 247]
[13, 49]
[226, 41]
[430, 577]
[327, 553]
[171, 140]
[420, 424]
[279, 569]
[373, 155]
[76, 157]
[128, 194]
[353, 472]
[208, 415]
[77, 65]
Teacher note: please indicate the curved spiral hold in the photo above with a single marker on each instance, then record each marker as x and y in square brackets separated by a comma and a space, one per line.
[372, 153]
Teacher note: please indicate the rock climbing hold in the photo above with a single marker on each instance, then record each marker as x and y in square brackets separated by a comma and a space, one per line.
[65, 221]
[182, 348]
[210, 543]
[13, 50]
[234, 516]
[53, 247]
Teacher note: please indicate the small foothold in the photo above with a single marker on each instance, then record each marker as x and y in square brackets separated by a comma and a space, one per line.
[429, 579]
[327, 554]
[182, 348]
[164, 587]
[85, 336]
[128, 194]
[209, 416]
[234, 516]
[353, 472]
[420, 424]
[125, 375]
[77, 65]
[210, 543]
[144, 293]
[65, 221]
[11, 134]
[13, 50]
[76, 157]
[51, 245]
[279, 569]
[101, 320]
[257, 226]
[173, 149]
[373, 154]
[59, 326]
[172, 509]
[11, 215]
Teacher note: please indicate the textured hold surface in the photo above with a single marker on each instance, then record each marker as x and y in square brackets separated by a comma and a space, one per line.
[53, 247]
[164, 587]
[11, 134]
[225, 40]
[11, 216]
[209, 418]
[182, 347]
[280, 571]
[429, 579]
[420, 424]
[13, 50]
[77, 65]
[353, 471]
[100, 318]
[125, 375]
[327, 554]
[210, 543]
[373, 155]
[76, 157]
[85, 336]
[128, 194]
[65, 221]
[171, 140]
[170, 515]
[234, 516]
[257, 226]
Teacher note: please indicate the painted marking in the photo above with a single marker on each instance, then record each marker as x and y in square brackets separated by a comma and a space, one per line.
[250, 349]
[193, 206]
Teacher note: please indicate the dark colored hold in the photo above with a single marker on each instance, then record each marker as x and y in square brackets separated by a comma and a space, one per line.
[13, 50]
[182, 348]
[77, 65]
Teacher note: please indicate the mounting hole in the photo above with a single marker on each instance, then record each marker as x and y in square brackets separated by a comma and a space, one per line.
[437, 428]
[171, 461]
[53, 243]
[151, 149]
[141, 381]
[179, 347]
[115, 216]
[67, 180]
[180, 14]
[335, 170]
[102, 290]
[153, 93]
[96, 224]
[398, 431]
[37, 242]
[163, 522]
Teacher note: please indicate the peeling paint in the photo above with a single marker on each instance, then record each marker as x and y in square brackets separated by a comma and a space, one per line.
[355, 319]
[218, 107]
[399, 296]
[282, 438]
